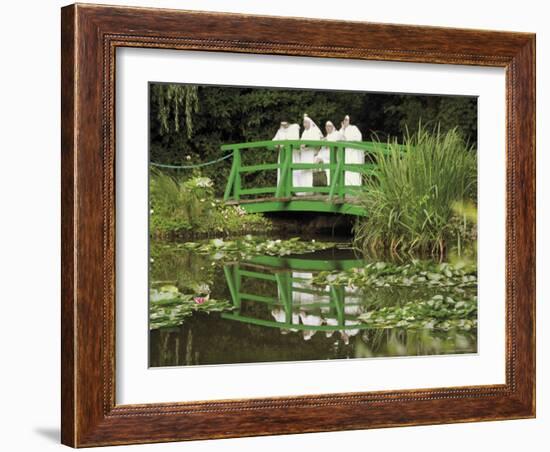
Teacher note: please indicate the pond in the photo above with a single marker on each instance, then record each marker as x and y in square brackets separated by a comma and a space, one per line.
[254, 300]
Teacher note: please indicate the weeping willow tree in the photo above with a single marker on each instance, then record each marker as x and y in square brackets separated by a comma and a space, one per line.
[176, 106]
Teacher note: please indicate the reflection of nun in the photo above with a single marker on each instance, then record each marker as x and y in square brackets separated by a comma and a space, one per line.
[299, 297]
[353, 308]
[304, 178]
[331, 321]
[280, 317]
[353, 331]
[303, 299]
[354, 301]
[352, 133]
[286, 132]
[310, 319]
[346, 334]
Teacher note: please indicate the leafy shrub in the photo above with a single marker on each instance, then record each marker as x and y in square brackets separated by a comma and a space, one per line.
[189, 208]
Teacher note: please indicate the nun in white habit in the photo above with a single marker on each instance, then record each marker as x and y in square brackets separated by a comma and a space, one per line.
[286, 132]
[304, 178]
[352, 133]
[324, 154]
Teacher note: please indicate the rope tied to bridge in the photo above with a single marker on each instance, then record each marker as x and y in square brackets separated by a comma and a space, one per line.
[198, 165]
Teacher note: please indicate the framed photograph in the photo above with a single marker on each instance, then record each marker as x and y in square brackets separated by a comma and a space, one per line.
[266, 231]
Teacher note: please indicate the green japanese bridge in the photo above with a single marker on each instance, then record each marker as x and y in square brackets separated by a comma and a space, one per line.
[333, 302]
[336, 197]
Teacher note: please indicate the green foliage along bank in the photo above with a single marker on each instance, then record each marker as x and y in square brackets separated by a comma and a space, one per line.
[189, 208]
[422, 196]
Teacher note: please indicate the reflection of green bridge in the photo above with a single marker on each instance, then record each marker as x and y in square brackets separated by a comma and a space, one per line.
[279, 272]
[336, 197]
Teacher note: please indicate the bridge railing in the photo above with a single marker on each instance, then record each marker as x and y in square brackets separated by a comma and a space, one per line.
[283, 152]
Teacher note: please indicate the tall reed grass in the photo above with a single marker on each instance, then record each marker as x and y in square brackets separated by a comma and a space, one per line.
[412, 200]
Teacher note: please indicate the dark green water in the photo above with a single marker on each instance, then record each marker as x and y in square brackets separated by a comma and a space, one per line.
[279, 316]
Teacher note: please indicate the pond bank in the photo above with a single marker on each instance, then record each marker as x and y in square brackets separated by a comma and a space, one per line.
[307, 224]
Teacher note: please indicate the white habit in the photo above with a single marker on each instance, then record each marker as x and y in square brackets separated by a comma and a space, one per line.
[324, 153]
[304, 178]
[352, 133]
[292, 132]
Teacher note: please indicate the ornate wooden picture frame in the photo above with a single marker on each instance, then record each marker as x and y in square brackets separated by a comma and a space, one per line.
[90, 37]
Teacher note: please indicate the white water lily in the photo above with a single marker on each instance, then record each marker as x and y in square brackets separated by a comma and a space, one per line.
[203, 182]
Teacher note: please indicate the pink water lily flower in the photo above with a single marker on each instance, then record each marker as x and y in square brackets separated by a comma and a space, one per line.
[200, 300]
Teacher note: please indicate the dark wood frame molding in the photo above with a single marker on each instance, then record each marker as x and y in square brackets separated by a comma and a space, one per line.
[90, 35]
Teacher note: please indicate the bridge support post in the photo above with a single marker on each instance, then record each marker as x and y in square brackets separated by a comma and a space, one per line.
[232, 278]
[288, 171]
[285, 160]
[333, 160]
[284, 285]
[336, 182]
[231, 181]
[237, 183]
[337, 296]
[342, 178]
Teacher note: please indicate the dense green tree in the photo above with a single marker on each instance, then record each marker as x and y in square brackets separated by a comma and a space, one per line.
[448, 112]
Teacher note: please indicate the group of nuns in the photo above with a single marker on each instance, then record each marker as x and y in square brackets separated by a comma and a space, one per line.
[305, 154]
